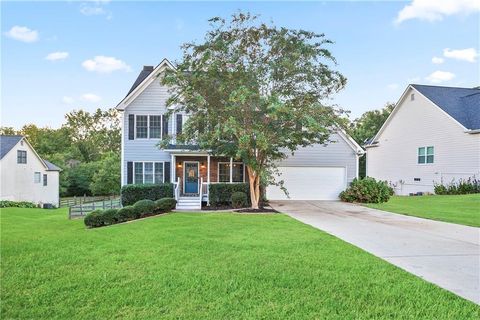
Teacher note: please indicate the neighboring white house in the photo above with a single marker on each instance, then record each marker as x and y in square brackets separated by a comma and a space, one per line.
[24, 175]
[318, 172]
[432, 136]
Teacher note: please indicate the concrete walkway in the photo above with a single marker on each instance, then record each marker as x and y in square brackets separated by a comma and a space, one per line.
[445, 254]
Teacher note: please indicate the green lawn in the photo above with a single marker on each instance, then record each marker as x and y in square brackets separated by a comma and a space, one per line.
[461, 209]
[202, 266]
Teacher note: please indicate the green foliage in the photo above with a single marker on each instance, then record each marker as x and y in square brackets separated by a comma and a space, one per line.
[17, 204]
[165, 205]
[132, 193]
[239, 199]
[462, 186]
[106, 180]
[128, 213]
[80, 177]
[253, 90]
[145, 207]
[221, 193]
[367, 190]
[94, 219]
[110, 216]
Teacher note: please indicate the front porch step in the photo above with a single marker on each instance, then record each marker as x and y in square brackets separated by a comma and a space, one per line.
[189, 203]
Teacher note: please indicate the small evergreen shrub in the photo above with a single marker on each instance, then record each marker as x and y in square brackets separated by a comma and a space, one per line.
[239, 199]
[144, 207]
[110, 216]
[131, 193]
[94, 219]
[127, 213]
[165, 205]
[367, 190]
[17, 204]
[463, 186]
[221, 193]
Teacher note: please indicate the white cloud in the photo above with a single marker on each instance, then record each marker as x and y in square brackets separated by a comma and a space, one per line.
[90, 97]
[436, 10]
[392, 86]
[54, 56]
[68, 100]
[437, 60]
[469, 54]
[22, 34]
[95, 8]
[104, 64]
[440, 76]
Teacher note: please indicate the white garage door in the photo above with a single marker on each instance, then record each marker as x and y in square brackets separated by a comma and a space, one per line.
[309, 183]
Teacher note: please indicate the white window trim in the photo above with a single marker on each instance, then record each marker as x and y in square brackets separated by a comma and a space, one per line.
[35, 174]
[143, 171]
[148, 126]
[426, 155]
[234, 162]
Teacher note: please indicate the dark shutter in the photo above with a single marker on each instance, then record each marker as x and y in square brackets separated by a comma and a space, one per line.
[179, 123]
[131, 126]
[129, 172]
[164, 125]
[167, 172]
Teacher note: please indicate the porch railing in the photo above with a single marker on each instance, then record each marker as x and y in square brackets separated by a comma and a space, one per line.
[177, 188]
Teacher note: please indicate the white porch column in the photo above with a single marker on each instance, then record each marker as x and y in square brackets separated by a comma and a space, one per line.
[208, 169]
[231, 170]
[173, 165]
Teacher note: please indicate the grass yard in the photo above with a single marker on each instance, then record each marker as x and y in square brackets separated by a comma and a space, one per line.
[461, 209]
[202, 266]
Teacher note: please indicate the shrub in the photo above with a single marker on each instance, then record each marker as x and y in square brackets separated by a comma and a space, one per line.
[221, 193]
[463, 186]
[94, 219]
[110, 216]
[367, 190]
[144, 207]
[132, 193]
[239, 199]
[17, 204]
[165, 205]
[127, 213]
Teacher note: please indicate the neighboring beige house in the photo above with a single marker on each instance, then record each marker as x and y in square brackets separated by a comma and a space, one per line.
[432, 136]
[24, 175]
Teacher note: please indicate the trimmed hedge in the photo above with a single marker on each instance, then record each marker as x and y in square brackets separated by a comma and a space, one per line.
[463, 186]
[17, 204]
[142, 208]
[239, 200]
[132, 193]
[221, 193]
[165, 205]
[367, 190]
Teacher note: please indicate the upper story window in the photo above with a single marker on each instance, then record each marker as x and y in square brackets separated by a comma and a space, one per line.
[179, 123]
[148, 126]
[45, 179]
[155, 127]
[224, 172]
[426, 155]
[37, 177]
[21, 156]
[141, 126]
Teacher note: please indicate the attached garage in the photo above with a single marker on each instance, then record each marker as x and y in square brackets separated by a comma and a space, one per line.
[309, 183]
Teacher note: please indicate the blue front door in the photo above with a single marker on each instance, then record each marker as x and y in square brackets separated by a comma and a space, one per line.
[190, 175]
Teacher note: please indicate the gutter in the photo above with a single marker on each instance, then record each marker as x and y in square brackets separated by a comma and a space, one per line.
[474, 131]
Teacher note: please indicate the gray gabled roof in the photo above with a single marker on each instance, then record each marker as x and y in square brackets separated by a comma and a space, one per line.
[462, 104]
[142, 76]
[51, 166]
[7, 143]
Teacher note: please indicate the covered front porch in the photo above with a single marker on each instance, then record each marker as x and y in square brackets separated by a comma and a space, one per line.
[193, 172]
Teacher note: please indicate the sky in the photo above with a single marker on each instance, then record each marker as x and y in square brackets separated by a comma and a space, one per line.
[61, 56]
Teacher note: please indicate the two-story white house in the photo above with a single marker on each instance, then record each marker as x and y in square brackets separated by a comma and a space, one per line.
[315, 172]
[432, 136]
[24, 175]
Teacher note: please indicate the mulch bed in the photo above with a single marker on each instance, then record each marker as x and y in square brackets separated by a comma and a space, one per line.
[260, 210]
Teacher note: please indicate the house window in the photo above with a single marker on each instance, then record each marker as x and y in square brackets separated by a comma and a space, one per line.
[37, 177]
[141, 124]
[224, 172]
[21, 156]
[155, 127]
[425, 155]
[179, 123]
[45, 180]
[148, 172]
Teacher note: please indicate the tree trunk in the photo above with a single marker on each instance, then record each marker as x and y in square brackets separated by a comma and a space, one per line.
[254, 181]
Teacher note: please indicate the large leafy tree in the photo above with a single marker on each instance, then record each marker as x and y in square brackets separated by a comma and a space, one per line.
[255, 92]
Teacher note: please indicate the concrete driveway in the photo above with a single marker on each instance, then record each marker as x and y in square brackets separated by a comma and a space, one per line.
[445, 254]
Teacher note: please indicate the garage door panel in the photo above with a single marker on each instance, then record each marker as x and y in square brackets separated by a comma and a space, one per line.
[309, 183]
